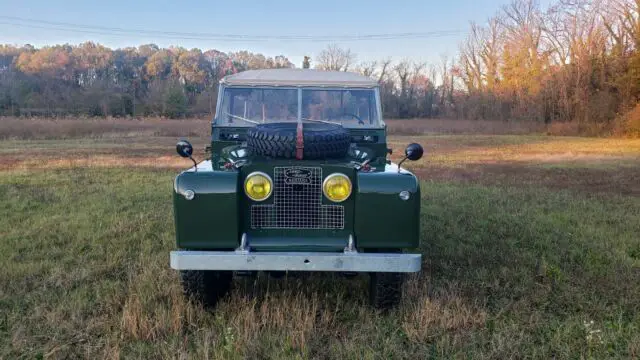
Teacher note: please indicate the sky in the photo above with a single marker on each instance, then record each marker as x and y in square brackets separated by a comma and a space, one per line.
[248, 17]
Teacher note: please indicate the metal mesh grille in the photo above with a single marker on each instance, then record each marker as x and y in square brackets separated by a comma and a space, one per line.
[297, 202]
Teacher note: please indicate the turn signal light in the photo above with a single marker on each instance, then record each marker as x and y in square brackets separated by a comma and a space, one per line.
[258, 186]
[337, 187]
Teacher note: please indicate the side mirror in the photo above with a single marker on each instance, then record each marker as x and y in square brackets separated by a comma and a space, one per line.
[184, 148]
[413, 152]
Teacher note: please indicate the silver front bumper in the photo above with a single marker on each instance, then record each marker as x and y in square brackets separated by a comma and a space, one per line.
[279, 261]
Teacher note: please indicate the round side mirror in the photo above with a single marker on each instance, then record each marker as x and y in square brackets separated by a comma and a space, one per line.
[414, 152]
[184, 148]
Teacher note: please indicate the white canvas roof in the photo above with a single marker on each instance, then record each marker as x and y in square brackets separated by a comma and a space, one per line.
[298, 77]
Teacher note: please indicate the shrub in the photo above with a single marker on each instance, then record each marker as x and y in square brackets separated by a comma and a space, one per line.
[629, 124]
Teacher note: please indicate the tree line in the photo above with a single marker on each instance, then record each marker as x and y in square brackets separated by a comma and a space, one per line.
[90, 79]
[576, 61]
[93, 80]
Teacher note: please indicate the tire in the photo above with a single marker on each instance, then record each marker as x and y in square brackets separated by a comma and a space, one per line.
[206, 287]
[278, 140]
[385, 290]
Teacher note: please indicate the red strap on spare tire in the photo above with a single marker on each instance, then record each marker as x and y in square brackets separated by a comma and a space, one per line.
[299, 141]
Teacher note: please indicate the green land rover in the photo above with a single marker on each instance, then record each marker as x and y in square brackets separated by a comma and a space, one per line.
[298, 180]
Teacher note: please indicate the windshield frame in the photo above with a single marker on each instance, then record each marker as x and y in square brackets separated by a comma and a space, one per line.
[218, 117]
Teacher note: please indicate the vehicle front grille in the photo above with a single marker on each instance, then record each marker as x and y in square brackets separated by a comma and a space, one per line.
[297, 202]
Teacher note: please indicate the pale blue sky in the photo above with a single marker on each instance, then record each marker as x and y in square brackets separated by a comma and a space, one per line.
[248, 17]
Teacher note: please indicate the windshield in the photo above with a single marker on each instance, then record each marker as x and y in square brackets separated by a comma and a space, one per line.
[351, 108]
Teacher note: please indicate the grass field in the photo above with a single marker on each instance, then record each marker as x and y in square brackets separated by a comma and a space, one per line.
[531, 250]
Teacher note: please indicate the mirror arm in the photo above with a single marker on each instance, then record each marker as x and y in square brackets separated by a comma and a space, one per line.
[195, 164]
[401, 161]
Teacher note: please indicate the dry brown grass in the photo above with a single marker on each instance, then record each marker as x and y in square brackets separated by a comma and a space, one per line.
[291, 314]
[583, 164]
[295, 316]
[99, 161]
[295, 313]
[67, 128]
[534, 150]
[459, 126]
[142, 319]
[426, 316]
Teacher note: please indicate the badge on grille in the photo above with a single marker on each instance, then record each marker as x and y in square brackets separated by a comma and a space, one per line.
[297, 176]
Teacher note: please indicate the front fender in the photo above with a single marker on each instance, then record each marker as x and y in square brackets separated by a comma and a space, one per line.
[382, 218]
[211, 219]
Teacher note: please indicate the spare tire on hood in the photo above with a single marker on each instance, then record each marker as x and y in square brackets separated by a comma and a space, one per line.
[278, 140]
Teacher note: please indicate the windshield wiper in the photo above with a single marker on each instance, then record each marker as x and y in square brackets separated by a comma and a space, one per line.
[241, 118]
[323, 121]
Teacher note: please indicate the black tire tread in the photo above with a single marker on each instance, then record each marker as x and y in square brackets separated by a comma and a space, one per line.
[385, 290]
[206, 287]
[278, 140]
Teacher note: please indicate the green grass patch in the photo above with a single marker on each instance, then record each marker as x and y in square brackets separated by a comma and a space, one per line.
[508, 272]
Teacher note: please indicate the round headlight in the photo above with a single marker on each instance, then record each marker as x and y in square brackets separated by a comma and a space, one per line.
[258, 186]
[337, 187]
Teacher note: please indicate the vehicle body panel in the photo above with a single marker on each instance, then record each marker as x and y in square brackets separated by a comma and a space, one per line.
[382, 218]
[220, 211]
[210, 220]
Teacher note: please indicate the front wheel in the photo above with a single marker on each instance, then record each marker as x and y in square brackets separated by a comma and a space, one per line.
[385, 290]
[205, 286]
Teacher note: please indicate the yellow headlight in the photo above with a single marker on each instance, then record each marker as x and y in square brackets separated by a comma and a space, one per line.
[337, 187]
[258, 186]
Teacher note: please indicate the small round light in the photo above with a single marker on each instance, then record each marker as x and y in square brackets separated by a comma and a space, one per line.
[337, 187]
[189, 194]
[404, 195]
[258, 186]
